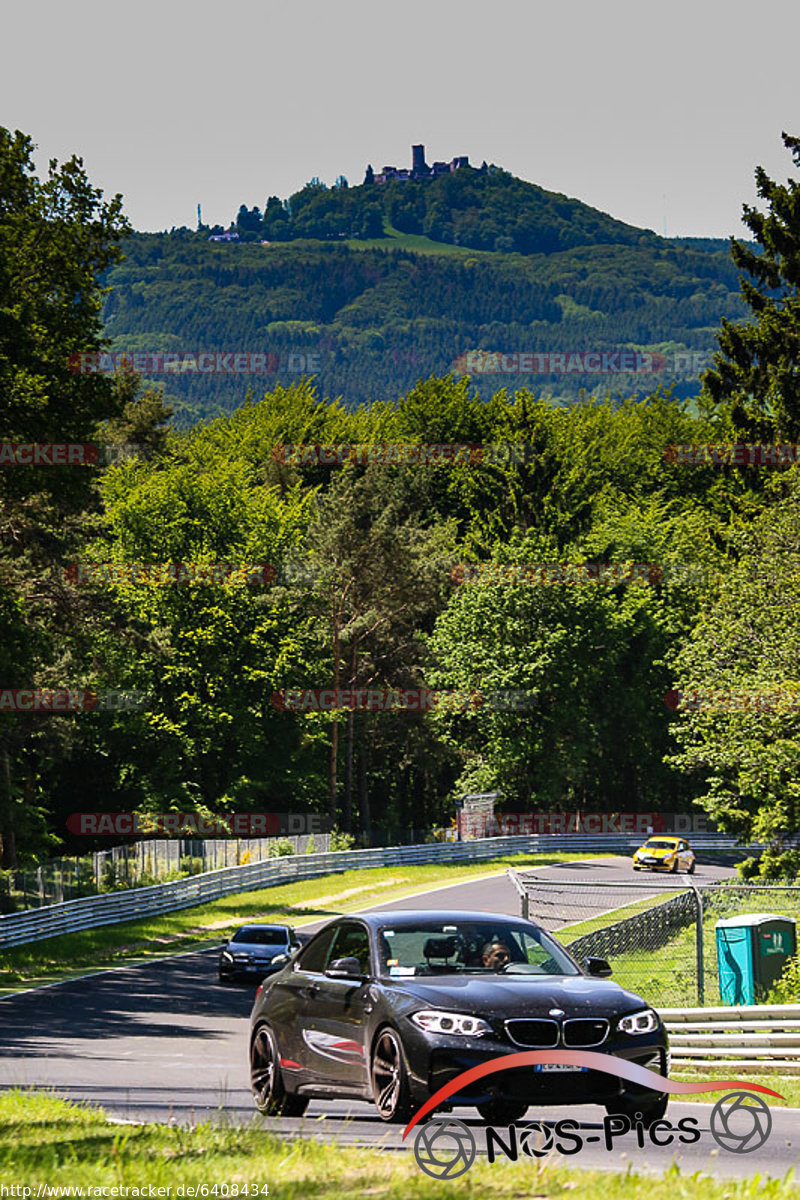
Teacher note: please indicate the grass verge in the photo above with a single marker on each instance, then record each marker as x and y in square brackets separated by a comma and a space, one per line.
[46, 1141]
[68, 955]
[787, 1085]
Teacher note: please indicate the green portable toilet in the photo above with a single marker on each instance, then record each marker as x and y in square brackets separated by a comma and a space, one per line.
[752, 951]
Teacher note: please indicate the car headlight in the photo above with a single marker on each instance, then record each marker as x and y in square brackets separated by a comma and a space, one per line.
[227, 957]
[639, 1022]
[433, 1021]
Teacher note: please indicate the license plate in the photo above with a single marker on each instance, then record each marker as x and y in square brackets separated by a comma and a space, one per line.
[549, 1067]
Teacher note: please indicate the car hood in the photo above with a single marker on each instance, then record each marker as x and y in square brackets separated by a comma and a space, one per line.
[658, 853]
[522, 997]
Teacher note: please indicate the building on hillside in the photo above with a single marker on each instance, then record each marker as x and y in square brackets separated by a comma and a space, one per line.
[419, 168]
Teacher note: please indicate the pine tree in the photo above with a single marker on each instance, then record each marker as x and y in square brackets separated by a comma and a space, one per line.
[756, 373]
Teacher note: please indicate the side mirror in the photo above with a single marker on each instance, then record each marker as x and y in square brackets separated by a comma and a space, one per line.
[295, 946]
[345, 968]
[598, 967]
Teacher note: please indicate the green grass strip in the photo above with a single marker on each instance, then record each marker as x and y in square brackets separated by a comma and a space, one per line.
[46, 1141]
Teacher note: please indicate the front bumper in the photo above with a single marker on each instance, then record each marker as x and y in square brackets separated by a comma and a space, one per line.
[242, 971]
[436, 1061]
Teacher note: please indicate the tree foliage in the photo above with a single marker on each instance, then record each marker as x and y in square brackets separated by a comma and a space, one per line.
[756, 374]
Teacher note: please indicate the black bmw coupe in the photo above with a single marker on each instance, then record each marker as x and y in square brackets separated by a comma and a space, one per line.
[392, 1006]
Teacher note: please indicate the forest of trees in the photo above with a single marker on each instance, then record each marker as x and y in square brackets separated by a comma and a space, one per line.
[365, 594]
[369, 323]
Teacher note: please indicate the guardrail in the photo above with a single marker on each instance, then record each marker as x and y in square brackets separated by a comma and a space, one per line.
[748, 1037]
[115, 907]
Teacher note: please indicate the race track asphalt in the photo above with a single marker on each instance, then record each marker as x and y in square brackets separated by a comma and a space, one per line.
[165, 1041]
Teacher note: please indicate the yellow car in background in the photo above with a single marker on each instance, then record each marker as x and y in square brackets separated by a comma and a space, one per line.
[665, 854]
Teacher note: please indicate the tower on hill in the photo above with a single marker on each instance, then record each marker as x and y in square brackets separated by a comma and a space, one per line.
[418, 164]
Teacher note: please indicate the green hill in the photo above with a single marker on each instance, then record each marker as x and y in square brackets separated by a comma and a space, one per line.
[391, 283]
[487, 209]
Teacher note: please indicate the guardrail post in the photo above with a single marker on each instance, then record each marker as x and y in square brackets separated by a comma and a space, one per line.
[701, 982]
[522, 890]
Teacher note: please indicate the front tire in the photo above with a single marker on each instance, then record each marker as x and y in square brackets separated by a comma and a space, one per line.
[389, 1078]
[269, 1094]
[691, 868]
[502, 1111]
[674, 868]
[629, 1108]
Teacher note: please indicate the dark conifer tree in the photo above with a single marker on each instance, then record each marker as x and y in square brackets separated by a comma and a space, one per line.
[756, 377]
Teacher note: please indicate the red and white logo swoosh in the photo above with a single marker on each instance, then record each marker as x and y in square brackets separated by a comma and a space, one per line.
[330, 1046]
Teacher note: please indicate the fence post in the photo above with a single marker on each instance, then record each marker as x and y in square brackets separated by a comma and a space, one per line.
[700, 966]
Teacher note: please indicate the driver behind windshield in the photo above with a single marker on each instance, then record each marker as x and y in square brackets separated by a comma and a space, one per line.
[495, 955]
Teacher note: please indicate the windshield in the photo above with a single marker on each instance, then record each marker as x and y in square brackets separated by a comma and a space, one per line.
[473, 948]
[262, 936]
[660, 844]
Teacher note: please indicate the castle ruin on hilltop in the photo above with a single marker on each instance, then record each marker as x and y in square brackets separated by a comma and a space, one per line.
[419, 168]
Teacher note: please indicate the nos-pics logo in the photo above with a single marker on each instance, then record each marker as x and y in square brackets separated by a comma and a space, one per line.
[445, 1148]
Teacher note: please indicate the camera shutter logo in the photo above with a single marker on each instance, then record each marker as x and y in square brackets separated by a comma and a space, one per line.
[741, 1122]
[444, 1148]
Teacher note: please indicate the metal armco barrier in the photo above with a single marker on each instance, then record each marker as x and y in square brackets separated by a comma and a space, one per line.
[93, 911]
[753, 1037]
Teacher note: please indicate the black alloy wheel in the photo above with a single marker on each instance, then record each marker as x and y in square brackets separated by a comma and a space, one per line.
[269, 1094]
[389, 1078]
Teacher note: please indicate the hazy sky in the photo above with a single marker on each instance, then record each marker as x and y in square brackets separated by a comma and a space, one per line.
[645, 111]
